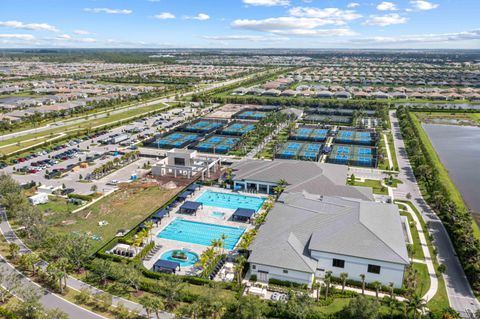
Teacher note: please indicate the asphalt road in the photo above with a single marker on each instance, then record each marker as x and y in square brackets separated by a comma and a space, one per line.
[459, 292]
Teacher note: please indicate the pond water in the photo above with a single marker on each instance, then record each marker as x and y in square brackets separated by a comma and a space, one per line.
[459, 150]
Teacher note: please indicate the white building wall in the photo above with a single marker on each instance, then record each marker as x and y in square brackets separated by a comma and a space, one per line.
[277, 273]
[389, 272]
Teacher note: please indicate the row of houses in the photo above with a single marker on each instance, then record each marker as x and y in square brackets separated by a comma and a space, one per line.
[352, 94]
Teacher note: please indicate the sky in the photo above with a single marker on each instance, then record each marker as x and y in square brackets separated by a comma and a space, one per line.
[412, 24]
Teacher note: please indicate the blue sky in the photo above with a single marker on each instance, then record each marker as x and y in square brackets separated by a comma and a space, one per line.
[240, 23]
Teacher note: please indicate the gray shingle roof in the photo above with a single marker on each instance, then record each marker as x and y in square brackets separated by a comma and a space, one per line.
[313, 177]
[300, 222]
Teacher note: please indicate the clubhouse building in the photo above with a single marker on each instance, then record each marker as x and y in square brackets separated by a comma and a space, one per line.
[319, 224]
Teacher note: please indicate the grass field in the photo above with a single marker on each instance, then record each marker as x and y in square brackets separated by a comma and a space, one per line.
[376, 185]
[445, 180]
[449, 118]
[423, 279]
[89, 124]
[418, 252]
[122, 210]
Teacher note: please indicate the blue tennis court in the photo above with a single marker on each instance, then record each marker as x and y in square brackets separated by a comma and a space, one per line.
[353, 155]
[238, 129]
[202, 126]
[251, 115]
[175, 140]
[355, 137]
[310, 134]
[300, 151]
[217, 144]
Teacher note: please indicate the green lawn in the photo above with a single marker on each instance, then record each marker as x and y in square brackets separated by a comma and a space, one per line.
[445, 180]
[423, 279]
[391, 146]
[123, 209]
[418, 252]
[58, 205]
[440, 300]
[375, 184]
[73, 128]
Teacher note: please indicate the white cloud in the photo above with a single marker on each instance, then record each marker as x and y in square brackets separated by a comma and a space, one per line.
[253, 38]
[267, 3]
[291, 26]
[201, 17]
[28, 26]
[108, 10]
[423, 38]
[81, 32]
[164, 16]
[386, 20]
[26, 37]
[423, 5]
[64, 37]
[334, 14]
[85, 40]
[352, 5]
[386, 6]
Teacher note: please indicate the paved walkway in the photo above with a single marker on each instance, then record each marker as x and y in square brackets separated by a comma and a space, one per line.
[389, 155]
[426, 252]
[459, 292]
[51, 300]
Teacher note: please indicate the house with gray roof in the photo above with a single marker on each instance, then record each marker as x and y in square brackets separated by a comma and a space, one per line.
[306, 235]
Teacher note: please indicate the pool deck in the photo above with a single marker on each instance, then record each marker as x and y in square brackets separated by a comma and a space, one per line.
[203, 216]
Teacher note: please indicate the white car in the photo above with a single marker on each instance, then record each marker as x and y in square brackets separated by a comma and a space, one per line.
[113, 182]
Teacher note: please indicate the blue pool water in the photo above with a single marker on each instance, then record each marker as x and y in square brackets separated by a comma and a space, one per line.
[219, 215]
[201, 233]
[230, 201]
[192, 258]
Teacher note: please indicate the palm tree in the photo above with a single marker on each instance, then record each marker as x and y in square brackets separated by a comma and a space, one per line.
[240, 265]
[223, 238]
[394, 305]
[391, 284]
[147, 303]
[327, 279]
[362, 276]
[32, 259]
[376, 285]
[344, 277]
[157, 306]
[14, 250]
[415, 304]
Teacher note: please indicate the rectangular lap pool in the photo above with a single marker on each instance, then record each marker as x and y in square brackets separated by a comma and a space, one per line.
[230, 201]
[201, 233]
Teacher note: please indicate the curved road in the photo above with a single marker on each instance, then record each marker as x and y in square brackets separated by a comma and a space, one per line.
[459, 292]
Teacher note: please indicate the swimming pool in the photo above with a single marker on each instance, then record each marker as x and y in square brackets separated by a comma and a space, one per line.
[191, 257]
[201, 233]
[230, 201]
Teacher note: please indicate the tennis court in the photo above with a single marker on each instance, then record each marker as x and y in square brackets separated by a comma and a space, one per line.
[328, 119]
[299, 151]
[313, 134]
[251, 115]
[355, 137]
[238, 129]
[217, 144]
[353, 155]
[202, 126]
[175, 140]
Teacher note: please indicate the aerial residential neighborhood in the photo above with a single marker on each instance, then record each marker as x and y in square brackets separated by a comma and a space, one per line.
[243, 159]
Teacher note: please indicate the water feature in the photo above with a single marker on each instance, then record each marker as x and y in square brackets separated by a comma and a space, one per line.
[459, 150]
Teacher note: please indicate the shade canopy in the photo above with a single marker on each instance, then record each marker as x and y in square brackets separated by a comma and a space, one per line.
[190, 207]
[243, 213]
[193, 187]
[165, 266]
[185, 194]
[160, 214]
